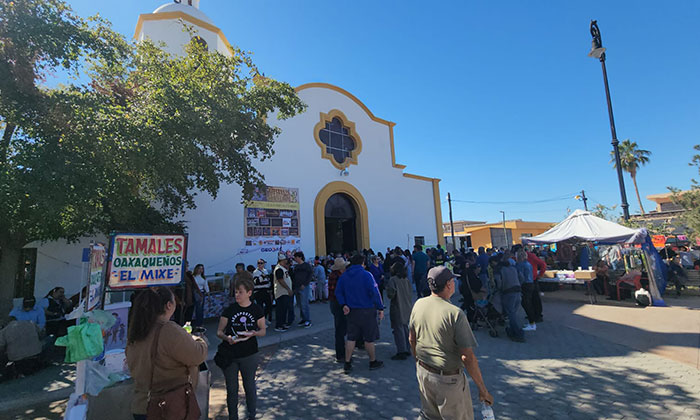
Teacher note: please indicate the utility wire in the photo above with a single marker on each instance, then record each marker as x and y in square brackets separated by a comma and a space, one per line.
[548, 200]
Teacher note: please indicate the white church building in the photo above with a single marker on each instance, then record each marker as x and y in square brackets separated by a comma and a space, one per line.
[334, 183]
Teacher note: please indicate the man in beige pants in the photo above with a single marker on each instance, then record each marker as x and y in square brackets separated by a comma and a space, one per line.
[442, 342]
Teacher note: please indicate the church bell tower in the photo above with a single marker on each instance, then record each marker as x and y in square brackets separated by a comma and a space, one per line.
[167, 24]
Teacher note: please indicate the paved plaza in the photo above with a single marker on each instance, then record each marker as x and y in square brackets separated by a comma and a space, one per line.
[560, 373]
[570, 368]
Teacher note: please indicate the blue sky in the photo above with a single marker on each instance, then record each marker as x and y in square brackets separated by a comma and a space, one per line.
[498, 99]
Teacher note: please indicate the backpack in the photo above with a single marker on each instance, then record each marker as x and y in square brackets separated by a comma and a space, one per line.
[642, 297]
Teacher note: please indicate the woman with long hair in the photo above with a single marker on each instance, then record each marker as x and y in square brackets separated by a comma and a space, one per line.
[203, 290]
[178, 354]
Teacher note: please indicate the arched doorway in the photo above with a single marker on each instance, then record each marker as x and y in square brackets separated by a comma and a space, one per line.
[347, 213]
[341, 231]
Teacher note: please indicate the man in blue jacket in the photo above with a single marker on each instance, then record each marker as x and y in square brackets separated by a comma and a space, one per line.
[358, 295]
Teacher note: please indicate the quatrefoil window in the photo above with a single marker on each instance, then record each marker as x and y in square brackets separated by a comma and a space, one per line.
[338, 140]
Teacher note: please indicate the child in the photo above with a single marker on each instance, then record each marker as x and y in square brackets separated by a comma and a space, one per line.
[239, 326]
[398, 290]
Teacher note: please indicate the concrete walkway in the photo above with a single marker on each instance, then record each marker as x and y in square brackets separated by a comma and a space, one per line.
[584, 361]
[672, 332]
[559, 373]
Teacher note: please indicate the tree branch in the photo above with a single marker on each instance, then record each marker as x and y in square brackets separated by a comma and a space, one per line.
[5, 142]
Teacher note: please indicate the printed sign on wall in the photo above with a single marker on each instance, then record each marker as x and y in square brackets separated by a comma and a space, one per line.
[272, 220]
[140, 260]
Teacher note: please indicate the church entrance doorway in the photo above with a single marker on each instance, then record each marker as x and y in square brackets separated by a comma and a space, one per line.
[341, 224]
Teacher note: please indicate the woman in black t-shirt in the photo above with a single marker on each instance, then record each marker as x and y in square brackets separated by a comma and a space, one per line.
[239, 326]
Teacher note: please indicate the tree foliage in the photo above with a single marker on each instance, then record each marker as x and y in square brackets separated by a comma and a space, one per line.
[128, 148]
[604, 212]
[631, 159]
[690, 200]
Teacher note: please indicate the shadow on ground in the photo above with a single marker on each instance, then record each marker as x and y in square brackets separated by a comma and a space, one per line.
[558, 373]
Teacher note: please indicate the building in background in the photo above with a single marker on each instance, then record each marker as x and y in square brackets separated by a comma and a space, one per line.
[471, 234]
[666, 218]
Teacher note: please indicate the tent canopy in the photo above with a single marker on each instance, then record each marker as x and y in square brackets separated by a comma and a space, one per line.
[584, 226]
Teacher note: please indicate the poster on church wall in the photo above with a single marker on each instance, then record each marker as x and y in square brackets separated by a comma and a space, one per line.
[141, 260]
[272, 220]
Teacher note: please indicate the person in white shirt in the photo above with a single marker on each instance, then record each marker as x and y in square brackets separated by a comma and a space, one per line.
[262, 291]
[203, 286]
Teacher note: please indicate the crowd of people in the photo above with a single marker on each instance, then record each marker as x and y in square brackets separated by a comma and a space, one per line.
[354, 285]
[30, 331]
[416, 288]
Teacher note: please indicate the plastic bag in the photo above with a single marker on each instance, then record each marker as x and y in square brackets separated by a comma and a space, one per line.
[82, 342]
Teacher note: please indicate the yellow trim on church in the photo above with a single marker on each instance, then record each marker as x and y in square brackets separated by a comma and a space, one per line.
[352, 159]
[354, 98]
[320, 240]
[361, 214]
[184, 16]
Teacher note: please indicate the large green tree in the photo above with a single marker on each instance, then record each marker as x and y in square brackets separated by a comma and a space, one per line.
[690, 200]
[125, 143]
[631, 159]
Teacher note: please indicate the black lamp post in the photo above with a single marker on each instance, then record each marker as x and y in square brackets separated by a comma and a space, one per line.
[597, 51]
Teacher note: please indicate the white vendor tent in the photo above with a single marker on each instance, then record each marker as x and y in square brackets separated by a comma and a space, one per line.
[584, 226]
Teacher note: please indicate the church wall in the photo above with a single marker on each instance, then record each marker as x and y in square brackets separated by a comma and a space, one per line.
[172, 30]
[399, 208]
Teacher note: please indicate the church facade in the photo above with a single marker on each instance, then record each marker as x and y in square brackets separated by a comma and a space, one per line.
[333, 182]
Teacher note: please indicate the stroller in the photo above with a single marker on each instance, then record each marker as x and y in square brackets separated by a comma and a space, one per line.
[486, 315]
[481, 313]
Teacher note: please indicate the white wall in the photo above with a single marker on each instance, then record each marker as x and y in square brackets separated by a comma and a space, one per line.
[399, 207]
[171, 32]
[59, 264]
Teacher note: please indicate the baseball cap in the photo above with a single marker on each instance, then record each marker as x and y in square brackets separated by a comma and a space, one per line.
[439, 276]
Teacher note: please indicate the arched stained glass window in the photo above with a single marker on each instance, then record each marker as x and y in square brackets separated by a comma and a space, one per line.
[338, 141]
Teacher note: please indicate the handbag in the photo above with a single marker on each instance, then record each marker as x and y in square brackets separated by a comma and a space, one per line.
[178, 402]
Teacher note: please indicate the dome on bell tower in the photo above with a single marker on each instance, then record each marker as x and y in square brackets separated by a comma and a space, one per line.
[189, 7]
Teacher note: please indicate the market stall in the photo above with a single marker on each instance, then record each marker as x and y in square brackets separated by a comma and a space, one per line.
[583, 226]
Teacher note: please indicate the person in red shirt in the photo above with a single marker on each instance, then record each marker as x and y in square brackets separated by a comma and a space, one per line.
[538, 269]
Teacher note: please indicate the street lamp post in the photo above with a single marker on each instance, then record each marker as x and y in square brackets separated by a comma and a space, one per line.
[452, 226]
[505, 232]
[597, 51]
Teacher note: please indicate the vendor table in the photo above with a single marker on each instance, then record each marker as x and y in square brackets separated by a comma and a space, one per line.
[572, 277]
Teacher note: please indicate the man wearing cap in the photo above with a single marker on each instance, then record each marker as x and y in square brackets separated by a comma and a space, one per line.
[358, 295]
[261, 291]
[283, 293]
[442, 343]
[340, 323]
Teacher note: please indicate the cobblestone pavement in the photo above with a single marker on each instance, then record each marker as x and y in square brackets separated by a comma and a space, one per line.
[559, 373]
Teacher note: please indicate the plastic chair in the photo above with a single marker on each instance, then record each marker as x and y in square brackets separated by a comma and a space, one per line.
[633, 278]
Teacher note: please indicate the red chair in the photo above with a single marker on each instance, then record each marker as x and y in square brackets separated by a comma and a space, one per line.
[632, 278]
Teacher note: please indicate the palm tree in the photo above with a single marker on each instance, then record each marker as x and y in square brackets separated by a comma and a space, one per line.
[631, 158]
